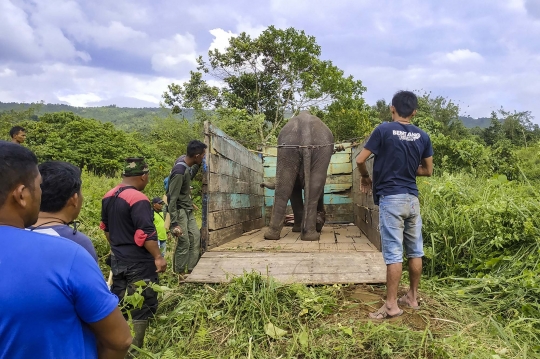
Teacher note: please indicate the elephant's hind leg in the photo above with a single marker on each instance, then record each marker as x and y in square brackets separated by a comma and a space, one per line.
[288, 163]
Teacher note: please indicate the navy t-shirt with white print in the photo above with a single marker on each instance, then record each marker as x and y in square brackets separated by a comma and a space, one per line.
[398, 149]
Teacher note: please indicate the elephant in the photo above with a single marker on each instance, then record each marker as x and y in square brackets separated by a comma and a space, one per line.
[305, 146]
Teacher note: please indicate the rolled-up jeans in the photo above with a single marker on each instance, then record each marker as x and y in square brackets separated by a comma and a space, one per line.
[400, 226]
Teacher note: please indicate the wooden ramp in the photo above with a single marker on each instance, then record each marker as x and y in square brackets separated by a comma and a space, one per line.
[342, 255]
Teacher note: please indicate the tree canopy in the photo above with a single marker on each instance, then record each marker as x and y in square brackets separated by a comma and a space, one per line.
[274, 75]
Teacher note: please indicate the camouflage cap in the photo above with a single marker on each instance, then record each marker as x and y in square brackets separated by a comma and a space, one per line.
[135, 166]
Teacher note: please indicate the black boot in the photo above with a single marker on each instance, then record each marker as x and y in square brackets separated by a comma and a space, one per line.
[139, 327]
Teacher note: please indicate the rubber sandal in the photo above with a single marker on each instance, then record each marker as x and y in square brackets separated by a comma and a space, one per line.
[403, 302]
[384, 315]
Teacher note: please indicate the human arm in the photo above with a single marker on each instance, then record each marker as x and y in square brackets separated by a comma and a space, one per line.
[426, 167]
[153, 247]
[194, 169]
[113, 336]
[175, 186]
[96, 306]
[145, 232]
[366, 182]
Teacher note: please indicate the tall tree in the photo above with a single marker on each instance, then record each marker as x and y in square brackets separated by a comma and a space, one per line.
[274, 75]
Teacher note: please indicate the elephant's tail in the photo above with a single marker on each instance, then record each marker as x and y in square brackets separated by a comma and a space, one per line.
[307, 183]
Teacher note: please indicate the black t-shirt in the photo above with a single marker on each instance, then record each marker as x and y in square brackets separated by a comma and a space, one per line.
[398, 151]
[127, 215]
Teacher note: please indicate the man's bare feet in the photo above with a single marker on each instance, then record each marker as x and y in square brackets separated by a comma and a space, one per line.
[386, 313]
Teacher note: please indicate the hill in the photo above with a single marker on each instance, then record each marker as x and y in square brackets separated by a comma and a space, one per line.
[469, 122]
[130, 118]
[126, 118]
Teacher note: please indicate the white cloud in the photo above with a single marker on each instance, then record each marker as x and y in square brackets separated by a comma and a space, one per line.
[221, 39]
[175, 55]
[461, 56]
[80, 100]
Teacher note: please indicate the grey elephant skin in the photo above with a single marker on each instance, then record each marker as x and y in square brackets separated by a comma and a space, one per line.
[305, 146]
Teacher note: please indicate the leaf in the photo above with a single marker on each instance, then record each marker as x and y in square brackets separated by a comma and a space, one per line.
[274, 332]
[140, 283]
[303, 312]
[303, 338]
[347, 330]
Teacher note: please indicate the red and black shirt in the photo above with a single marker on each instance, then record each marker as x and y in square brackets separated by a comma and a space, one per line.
[127, 215]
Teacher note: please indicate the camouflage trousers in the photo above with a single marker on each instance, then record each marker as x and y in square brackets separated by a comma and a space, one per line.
[188, 246]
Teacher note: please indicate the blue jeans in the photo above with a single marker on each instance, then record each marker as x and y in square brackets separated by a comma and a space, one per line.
[401, 226]
[162, 247]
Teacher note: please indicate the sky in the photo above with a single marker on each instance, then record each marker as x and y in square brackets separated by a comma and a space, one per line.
[482, 54]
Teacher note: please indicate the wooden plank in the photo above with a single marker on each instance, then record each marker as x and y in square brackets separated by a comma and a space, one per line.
[253, 224]
[312, 268]
[217, 238]
[218, 201]
[341, 157]
[227, 147]
[227, 184]
[328, 199]
[331, 179]
[333, 169]
[338, 168]
[222, 219]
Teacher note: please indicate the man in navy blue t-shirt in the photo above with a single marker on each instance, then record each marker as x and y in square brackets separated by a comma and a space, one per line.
[401, 152]
[61, 203]
[54, 301]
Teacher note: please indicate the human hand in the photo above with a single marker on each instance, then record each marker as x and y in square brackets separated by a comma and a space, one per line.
[366, 184]
[177, 231]
[161, 264]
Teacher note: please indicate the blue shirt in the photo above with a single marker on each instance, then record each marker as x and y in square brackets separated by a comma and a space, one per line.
[62, 230]
[398, 151]
[50, 287]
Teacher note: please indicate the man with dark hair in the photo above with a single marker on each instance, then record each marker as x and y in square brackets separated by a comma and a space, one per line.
[180, 206]
[61, 203]
[57, 305]
[17, 134]
[159, 222]
[402, 152]
[127, 220]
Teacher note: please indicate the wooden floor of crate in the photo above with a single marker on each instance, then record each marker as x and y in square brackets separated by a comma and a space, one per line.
[342, 255]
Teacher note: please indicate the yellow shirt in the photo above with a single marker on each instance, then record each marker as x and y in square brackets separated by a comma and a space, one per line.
[159, 222]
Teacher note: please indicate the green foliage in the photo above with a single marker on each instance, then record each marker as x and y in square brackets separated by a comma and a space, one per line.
[87, 143]
[256, 317]
[276, 73]
[125, 118]
[487, 230]
[529, 161]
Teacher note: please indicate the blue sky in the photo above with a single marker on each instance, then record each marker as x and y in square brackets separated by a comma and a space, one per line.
[483, 54]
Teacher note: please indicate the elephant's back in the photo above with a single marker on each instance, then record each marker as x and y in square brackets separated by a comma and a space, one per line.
[305, 129]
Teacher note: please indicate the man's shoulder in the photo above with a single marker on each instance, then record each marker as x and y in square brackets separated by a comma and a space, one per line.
[38, 238]
[130, 195]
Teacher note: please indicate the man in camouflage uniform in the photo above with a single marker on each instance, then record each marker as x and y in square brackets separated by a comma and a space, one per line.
[183, 223]
[127, 220]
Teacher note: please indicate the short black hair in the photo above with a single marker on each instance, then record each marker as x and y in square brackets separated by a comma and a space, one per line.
[195, 147]
[15, 130]
[405, 102]
[60, 181]
[18, 165]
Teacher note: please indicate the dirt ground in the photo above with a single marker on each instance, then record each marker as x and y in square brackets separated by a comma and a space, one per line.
[360, 300]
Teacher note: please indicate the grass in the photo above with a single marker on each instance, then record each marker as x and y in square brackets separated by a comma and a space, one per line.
[232, 321]
[481, 290]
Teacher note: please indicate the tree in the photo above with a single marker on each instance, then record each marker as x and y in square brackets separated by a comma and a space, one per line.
[64, 136]
[274, 75]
